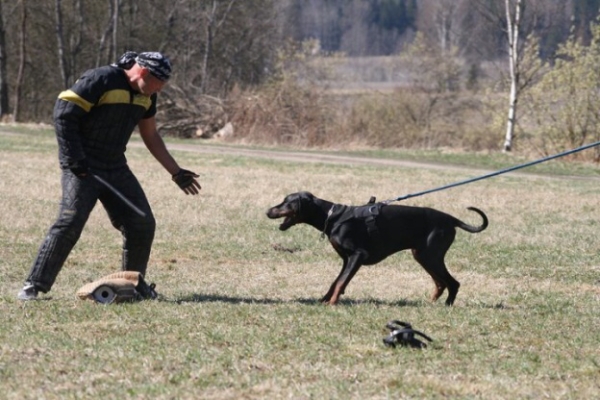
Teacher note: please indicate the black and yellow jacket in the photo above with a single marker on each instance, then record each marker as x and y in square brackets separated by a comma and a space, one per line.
[94, 119]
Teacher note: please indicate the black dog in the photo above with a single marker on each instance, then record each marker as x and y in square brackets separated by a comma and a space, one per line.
[365, 235]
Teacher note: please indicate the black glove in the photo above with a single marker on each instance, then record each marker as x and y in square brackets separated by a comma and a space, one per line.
[79, 168]
[186, 180]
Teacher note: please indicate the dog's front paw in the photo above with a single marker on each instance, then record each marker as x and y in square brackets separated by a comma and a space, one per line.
[329, 300]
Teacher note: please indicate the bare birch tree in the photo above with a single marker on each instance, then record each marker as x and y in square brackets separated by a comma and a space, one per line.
[520, 75]
[513, 24]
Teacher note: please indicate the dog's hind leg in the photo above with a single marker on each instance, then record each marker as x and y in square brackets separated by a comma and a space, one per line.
[439, 285]
[452, 284]
[435, 266]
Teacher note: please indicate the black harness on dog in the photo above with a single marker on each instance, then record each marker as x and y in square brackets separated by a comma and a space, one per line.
[369, 213]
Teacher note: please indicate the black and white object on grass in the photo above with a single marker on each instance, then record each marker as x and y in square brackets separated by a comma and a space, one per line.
[403, 334]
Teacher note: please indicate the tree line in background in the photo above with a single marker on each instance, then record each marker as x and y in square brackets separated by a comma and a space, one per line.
[46, 45]
[474, 27]
[246, 62]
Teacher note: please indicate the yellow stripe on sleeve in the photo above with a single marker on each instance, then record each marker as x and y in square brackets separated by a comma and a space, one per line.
[71, 96]
[142, 100]
[117, 96]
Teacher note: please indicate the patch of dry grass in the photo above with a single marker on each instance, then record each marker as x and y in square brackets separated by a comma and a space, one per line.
[241, 319]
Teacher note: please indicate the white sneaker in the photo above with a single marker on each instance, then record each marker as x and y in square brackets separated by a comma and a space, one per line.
[29, 292]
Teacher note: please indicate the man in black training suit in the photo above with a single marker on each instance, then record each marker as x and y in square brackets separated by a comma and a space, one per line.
[93, 122]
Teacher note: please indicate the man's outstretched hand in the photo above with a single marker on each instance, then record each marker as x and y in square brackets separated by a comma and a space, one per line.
[186, 180]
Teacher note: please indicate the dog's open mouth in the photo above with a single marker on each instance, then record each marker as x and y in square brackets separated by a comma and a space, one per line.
[289, 217]
[287, 222]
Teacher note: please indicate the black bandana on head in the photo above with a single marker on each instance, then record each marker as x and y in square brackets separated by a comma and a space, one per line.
[157, 64]
[127, 60]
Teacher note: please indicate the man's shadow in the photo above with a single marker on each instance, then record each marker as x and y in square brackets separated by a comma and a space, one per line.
[212, 298]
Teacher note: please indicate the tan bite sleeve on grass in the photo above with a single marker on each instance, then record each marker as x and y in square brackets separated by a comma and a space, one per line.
[113, 288]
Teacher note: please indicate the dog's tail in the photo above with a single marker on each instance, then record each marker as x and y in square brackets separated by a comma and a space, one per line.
[471, 228]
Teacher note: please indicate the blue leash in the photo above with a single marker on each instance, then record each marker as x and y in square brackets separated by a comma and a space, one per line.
[502, 171]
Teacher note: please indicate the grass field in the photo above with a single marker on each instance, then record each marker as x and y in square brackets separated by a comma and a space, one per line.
[240, 319]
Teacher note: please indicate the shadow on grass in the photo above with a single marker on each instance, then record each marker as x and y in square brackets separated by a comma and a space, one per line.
[211, 298]
[491, 306]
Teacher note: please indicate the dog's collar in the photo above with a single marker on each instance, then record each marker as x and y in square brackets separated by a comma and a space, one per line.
[329, 214]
